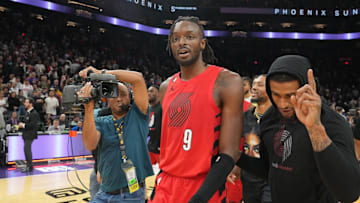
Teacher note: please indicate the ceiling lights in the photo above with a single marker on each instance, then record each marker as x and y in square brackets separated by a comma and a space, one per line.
[168, 22]
[287, 25]
[260, 24]
[71, 24]
[319, 26]
[204, 22]
[3, 9]
[230, 23]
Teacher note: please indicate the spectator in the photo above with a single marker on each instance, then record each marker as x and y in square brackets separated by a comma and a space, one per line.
[48, 122]
[63, 121]
[154, 124]
[14, 102]
[2, 83]
[32, 78]
[39, 103]
[2, 126]
[78, 127]
[255, 189]
[22, 109]
[6, 92]
[74, 121]
[51, 103]
[340, 110]
[18, 82]
[247, 87]
[55, 127]
[27, 88]
[12, 123]
[3, 103]
[44, 82]
[14, 88]
[39, 67]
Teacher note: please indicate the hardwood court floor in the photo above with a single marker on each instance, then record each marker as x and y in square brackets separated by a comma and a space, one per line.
[50, 184]
[34, 188]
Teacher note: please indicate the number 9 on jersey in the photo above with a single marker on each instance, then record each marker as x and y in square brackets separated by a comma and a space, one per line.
[187, 139]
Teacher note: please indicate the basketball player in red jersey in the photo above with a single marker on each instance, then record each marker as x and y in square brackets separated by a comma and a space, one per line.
[202, 121]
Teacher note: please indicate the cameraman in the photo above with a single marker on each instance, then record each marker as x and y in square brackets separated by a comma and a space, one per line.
[120, 138]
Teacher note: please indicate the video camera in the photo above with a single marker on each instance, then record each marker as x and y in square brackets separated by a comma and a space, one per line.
[103, 86]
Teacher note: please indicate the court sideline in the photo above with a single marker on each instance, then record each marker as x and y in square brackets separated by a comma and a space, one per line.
[51, 184]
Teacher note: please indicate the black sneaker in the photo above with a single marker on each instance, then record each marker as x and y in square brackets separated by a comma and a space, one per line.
[27, 169]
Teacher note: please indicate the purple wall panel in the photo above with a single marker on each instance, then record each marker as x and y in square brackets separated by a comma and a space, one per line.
[47, 146]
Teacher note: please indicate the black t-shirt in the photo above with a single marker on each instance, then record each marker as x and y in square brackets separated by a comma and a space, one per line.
[251, 134]
[13, 101]
[38, 105]
[155, 128]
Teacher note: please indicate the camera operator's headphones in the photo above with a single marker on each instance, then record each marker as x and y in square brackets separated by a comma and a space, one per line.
[129, 91]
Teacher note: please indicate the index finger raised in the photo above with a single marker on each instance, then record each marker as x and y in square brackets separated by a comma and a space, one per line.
[311, 79]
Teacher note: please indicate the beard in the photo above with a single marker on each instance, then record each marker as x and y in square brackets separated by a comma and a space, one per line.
[124, 108]
[189, 61]
[256, 100]
[152, 99]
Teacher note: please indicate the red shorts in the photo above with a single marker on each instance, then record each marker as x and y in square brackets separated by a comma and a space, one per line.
[234, 192]
[170, 188]
[155, 158]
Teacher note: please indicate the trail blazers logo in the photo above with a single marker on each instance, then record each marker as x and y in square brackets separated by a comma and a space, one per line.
[152, 119]
[179, 110]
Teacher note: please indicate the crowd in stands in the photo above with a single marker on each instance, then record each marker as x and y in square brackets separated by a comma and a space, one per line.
[39, 57]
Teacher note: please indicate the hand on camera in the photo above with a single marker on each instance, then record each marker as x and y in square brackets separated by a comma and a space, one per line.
[85, 91]
[85, 94]
[84, 73]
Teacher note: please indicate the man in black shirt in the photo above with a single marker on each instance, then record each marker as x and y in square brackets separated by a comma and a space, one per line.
[30, 127]
[307, 150]
[154, 124]
[255, 189]
[39, 104]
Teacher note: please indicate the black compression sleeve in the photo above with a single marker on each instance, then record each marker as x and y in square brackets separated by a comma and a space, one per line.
[214, 179]
[253, 165]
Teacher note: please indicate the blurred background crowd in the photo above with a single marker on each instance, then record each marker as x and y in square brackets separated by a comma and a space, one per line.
[39, 56]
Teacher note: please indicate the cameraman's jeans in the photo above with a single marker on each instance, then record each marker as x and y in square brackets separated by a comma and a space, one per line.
[94, 184]
[136, 197]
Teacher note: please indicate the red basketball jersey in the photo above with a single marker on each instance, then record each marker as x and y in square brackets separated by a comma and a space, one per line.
[190, 125]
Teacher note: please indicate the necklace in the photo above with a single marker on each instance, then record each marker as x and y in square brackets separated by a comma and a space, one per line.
[258, 116]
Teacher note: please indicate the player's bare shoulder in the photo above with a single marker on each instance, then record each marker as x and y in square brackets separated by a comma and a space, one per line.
[163, 88]
[227, 82]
